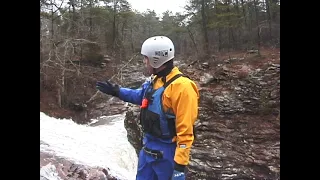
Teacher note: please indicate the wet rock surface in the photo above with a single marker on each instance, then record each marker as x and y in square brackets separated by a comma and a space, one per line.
[133, 127]
[57, 168]
[108, 106]
[238, 132]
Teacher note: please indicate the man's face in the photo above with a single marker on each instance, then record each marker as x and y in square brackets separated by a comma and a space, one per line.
[148, 70]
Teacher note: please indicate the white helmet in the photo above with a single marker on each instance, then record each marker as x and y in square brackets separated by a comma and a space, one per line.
[159, 50]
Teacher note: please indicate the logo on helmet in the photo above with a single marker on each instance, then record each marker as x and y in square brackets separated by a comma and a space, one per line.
[163, 53]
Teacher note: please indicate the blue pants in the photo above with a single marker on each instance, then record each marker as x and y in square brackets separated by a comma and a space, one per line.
[150, 168]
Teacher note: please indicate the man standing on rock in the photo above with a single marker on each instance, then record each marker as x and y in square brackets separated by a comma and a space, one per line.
[169, 109]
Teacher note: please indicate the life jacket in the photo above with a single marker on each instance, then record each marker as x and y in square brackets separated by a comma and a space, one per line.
[153, 119]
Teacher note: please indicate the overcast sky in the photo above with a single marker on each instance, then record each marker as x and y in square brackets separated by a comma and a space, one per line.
[159, 6]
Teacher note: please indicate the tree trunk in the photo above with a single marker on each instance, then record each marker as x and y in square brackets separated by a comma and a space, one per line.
[258, 27]
[114, 24]
[132, 46]
[272, 10]
[192, 39]
[205, 30]
[230, 29]
[52, 26]
[73, 22]
[269, 18]
[90, 21]
[216, 3]
[239, 35]
[244, 13]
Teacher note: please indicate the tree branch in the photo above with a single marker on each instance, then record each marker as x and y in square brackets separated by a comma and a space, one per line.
[98, 92]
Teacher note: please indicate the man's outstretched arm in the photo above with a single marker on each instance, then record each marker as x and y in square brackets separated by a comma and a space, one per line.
[133, 96]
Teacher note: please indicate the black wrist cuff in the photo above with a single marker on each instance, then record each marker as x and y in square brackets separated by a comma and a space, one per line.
[116, 89]
[179, 167]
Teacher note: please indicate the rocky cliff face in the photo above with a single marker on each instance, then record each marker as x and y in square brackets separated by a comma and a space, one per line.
[130, 76]
[238, 131]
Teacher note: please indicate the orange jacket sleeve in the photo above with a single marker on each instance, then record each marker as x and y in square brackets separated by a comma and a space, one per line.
[184, 98]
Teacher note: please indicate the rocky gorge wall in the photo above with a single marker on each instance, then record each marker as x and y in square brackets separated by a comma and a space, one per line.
[238, 129]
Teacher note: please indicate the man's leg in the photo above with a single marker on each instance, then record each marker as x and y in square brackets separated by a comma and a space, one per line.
[145, 171]
[164, 167]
